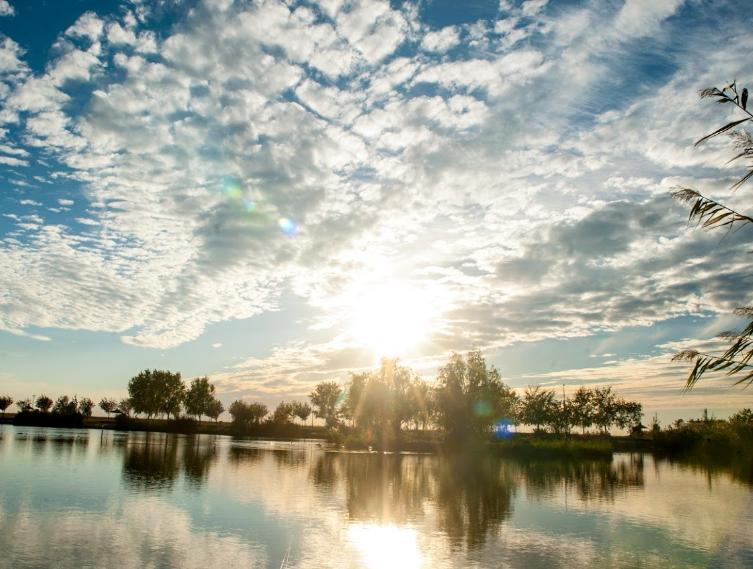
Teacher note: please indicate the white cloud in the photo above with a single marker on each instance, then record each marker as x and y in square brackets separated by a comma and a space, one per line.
[441, 40]
[6, 9]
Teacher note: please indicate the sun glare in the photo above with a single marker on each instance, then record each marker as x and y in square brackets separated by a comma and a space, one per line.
[386, 547]
[390, 319]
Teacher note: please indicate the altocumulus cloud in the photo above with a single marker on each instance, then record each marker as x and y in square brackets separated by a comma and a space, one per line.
[515, 167]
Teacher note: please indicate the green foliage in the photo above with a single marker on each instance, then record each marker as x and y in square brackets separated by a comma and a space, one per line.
[199, 397]
[326, 400]
[43, 403]
[538, 407]
[471, 397]
[582, 406]
[156, 391]
[710, 213]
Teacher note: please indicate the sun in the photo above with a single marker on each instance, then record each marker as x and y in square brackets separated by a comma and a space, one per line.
[391, 319]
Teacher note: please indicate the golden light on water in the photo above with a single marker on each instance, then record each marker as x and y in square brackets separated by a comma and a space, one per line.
[386, 546]
[391, 319]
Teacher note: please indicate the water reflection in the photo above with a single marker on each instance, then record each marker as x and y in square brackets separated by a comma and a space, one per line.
[269, 502]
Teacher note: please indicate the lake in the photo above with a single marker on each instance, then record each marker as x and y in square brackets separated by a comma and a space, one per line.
[78, 498]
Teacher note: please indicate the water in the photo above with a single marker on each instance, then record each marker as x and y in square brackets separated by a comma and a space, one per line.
[73, 498]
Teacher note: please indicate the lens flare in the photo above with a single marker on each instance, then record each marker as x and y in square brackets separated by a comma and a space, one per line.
[287, 225]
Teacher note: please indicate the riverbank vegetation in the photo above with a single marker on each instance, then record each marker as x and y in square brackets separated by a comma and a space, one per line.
[392, 408]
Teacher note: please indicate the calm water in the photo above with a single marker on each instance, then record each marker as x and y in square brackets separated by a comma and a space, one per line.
[71, 498]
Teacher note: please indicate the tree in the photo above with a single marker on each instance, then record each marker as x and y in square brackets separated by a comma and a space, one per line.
[215, 409]
[125, 407]
[538, 407]
[605, 407]
[326, 398]
[245, 414]
[709, 213]
[471, 397]
[282, 413]
[43, 403]
[65, 406]
[5, 402]
[199, 397]
[24, 405]
[302, 410]
[85, 406]
[108, 405]
[156, 391]
[582, 408]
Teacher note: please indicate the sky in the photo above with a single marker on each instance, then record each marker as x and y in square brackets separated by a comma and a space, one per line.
[275, 193]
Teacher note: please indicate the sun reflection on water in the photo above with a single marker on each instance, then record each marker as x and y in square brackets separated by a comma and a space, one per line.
[386, 546]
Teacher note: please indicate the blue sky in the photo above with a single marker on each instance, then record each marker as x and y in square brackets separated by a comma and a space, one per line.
[275, 193]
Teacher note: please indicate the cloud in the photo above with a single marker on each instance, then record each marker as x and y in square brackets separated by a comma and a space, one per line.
[518, 176]
[6, 9]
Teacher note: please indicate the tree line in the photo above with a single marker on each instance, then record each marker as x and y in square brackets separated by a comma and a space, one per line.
[468, 399]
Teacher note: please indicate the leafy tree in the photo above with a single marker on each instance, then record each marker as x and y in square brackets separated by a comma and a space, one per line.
[156, 391]
[582, 405]
[605, 407]
[302, 410]
[538, 407]
[85, 406]
[125, 407]
[199, 397]
[326, 399]
[215, 409]
[628, 414]
[707, 212]
[108, 405]
[65, 406]
[471, 397]
[24, 405]
[43, 403]
[282, 413]
[5, 402]
[245, 414]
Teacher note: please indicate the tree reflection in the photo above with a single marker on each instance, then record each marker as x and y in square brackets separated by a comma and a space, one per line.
[472, 495]
[151, 464]
[198, 457]
[589, 479]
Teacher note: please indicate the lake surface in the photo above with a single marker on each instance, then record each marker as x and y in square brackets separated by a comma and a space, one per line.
[77, 498]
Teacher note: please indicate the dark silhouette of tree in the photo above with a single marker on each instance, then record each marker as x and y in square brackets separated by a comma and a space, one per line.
[282, 413]
[582, 406]
[605, 405]
[85, 406]
[5, 402]
[108, 405]
[125, 407]
[326, 400]
[65, 406]
[24, 405]
[199, 397]
[537, 407]
[43, 403]
[246, 414]
[709, 213]
[471, 397]
[215, 409]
